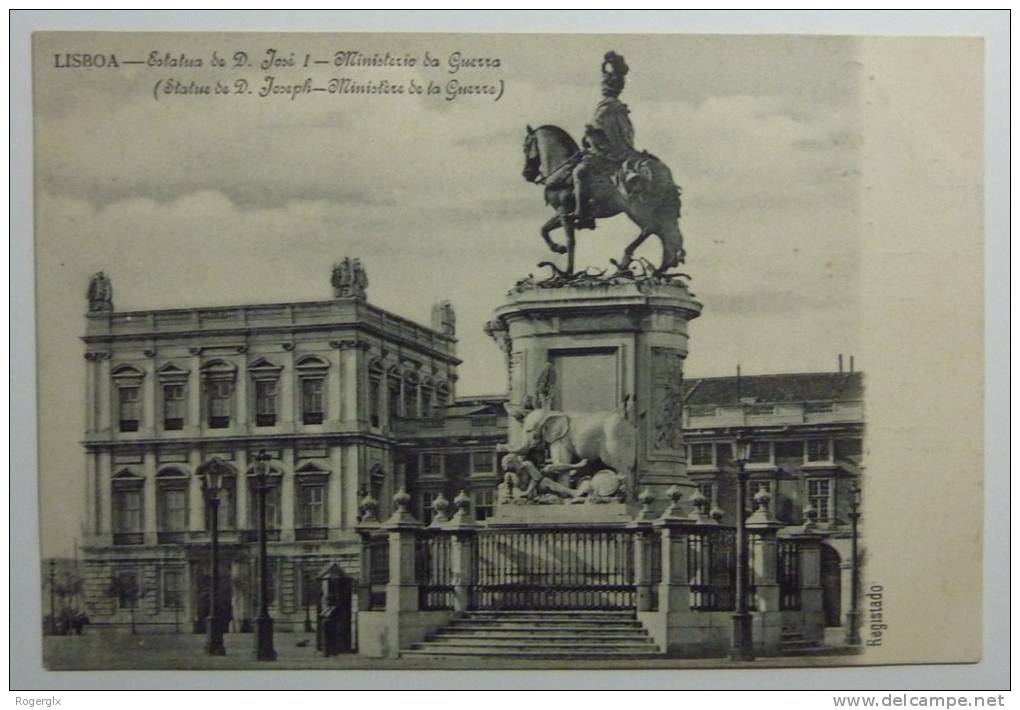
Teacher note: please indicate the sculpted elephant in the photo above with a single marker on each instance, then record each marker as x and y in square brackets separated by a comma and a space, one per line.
[571, 436]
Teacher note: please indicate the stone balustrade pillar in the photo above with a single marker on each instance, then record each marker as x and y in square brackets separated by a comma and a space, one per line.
[642, 542]
[367, 527]
[463, 527]
[402, 529]
[763, 528]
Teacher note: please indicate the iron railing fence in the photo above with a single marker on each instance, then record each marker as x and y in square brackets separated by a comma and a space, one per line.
[788, 574]
[711, 569]
[378, 570]
[553, 569]
[432, 558]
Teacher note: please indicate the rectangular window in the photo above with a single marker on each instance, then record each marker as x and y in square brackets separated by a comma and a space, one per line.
[818, 450]
[172, 586]
[394, 398]
[847, 449]
[790, 450]
[174, 509]
[173, 407]
[273, 507]
[128, 510]
[481, 462]
[425, 506]
[426, 402]
[761, 452]
[483, 504]
[457, 466]
[313, 506]
[701, 454]
[220, 393]
[126, 589]
[410, 400]
[129, 408]
[373, 402]
[265, 403]
[312, 408]
[707, 490]
[431, 463]
[819, 497]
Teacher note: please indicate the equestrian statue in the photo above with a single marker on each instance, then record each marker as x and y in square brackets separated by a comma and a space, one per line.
[605, 177]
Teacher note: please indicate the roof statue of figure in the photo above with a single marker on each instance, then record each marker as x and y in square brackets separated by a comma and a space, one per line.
[349, 279]
[100, 293]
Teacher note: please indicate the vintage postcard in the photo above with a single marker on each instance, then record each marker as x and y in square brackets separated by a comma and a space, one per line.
[454, 351]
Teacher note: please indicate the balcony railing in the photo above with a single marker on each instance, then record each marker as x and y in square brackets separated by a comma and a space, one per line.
[130, 538]
[318, 533]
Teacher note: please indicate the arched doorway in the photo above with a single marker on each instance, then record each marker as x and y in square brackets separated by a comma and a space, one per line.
[831, 586]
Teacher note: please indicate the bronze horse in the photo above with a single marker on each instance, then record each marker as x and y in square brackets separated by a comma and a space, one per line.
[550, 156]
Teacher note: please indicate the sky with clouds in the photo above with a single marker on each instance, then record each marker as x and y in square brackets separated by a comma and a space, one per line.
[206, 200]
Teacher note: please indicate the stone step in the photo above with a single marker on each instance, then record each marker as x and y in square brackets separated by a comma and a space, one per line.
[526, 637]
[565, 625]
[517, 648]
[554, 630]
[550, 612]
[797, 644]
[608, 653]
[523, 620]
[525, 642]
[550, 619]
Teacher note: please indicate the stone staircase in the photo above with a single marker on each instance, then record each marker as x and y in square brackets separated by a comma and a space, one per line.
[540, 634]
[793, 643]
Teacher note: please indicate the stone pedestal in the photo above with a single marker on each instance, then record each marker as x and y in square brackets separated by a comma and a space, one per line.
[579, 515]
[602, 346]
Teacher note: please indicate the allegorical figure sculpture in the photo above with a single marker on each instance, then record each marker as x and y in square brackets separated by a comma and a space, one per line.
[100, 293]
[576, 442]
[608, 175]
[349, 279]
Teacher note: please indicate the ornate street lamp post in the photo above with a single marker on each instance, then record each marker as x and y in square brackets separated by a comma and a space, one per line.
[264, 650]
[740, 641]
[853, 634]
[212, 471]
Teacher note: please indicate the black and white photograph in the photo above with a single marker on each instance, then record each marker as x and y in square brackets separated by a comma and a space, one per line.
[454, 351]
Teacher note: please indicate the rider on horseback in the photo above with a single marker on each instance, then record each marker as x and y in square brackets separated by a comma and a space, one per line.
[608, 139]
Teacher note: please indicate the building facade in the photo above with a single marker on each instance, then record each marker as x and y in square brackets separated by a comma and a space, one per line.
[317, 385]
[350, 400]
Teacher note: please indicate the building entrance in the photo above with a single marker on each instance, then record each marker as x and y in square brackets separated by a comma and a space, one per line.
[832, 579]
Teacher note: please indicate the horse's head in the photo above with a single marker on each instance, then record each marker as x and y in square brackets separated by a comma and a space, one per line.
[532, 158]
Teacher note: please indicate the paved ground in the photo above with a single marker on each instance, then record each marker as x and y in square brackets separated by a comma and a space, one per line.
[108, 650]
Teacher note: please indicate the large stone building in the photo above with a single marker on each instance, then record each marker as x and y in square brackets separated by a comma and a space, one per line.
[318, 385]
[351, 400]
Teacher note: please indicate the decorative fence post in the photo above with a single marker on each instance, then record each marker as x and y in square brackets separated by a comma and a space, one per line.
[642, 524]
[767, 625]
[463, 528]
[402, 589]
[368, 526]
[674, 607]
[807, 559]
